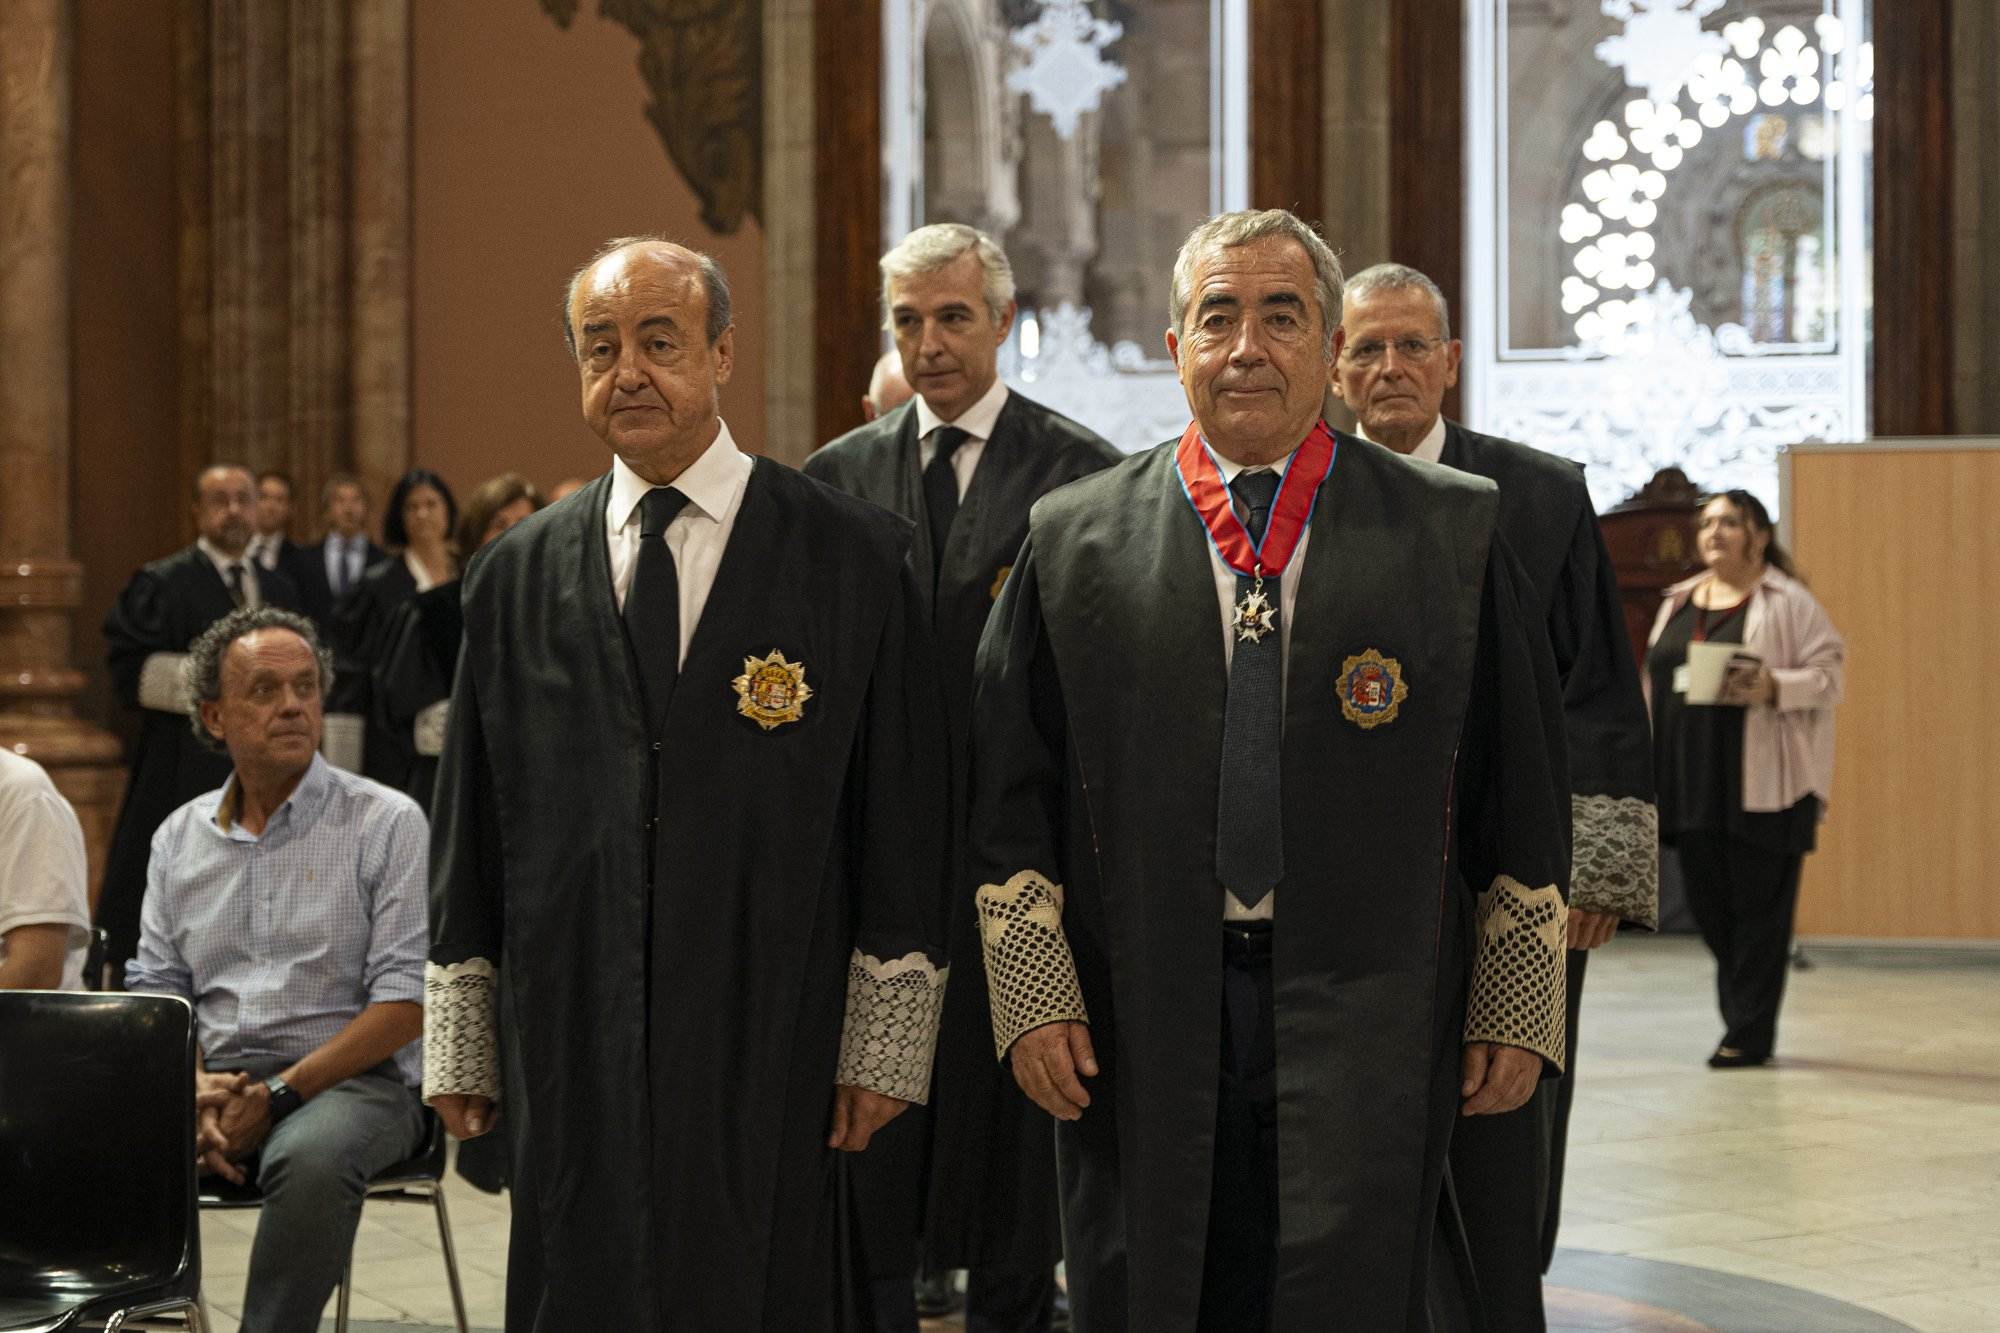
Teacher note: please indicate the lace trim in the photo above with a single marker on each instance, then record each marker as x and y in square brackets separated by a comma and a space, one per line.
[1030, 975]
[1517, 981]
[163, 685]
[427, 732]
[461, 1048]
[1616, 864]
[891, 1029]
[342, 736]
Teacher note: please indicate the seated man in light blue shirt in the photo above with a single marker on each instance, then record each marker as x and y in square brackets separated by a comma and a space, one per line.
[289, 907]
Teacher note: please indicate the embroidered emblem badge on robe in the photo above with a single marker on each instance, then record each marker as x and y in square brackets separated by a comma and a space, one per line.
[999, 582]
[1255, 617]
[772, 691]
[1371, 689]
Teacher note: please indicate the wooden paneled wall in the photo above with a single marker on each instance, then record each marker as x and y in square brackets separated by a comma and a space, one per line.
[1901, 540]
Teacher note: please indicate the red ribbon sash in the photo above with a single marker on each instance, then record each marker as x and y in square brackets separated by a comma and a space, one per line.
[1291, 510]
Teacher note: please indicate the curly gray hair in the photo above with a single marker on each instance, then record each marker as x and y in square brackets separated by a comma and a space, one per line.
[202, 672]
[1232, 229]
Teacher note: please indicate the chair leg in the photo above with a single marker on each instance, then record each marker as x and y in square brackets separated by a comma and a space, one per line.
[450, 1256]
[197, 1316]
[340, 1305]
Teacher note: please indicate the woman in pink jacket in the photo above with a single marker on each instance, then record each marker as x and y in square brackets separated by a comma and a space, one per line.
[1743, 781]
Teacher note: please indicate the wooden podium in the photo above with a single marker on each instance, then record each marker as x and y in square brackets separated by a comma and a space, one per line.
[1900, 541]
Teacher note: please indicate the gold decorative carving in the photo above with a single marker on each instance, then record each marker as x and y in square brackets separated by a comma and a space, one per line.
[702, 61]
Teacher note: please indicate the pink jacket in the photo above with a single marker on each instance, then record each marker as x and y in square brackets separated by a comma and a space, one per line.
[1787, 747]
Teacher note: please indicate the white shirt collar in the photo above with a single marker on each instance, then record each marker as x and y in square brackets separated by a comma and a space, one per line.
[1230, 470]
[976, 421]
[711, 483]
[219, 560]
[1430, 448]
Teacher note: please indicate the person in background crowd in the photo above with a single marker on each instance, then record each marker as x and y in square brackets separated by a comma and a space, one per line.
[418, 529]
[161, 611]
[567, 487]
[327, 570]
[972, 1179]
[287, 907]
[44, 896]
[1398, 359]
[1744, 777]
[271, 545]
[888, 387]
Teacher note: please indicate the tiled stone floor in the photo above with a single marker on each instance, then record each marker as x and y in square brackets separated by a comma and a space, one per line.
[1864, 1167]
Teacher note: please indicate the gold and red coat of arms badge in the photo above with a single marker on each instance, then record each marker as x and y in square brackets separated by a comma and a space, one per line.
[772, 691]
[1371, 689]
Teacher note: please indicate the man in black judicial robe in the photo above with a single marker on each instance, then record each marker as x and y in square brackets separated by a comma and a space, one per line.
[965, 460]
[1399, 358]
[1398, 962]
[163, 609]
[690, 810]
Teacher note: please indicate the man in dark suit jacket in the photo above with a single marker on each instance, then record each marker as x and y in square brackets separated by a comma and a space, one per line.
[327, 569]
[271, 544]
[973, 1177]
[1398, 360]
[162, 610]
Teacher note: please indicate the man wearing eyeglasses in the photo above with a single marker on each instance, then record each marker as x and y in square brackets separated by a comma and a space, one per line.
[1397, 361]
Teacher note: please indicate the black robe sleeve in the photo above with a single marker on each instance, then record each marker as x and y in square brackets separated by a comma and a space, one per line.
[1017, 831]
[1511, 851]
[898, 969]
[1614, 866]
[136, 629]
[461, 1046]
[409, 681]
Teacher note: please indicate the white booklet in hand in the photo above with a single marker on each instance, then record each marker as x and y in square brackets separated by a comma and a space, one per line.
[1708, 666]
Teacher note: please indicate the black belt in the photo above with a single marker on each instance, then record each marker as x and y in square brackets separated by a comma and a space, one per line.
[1246, 944]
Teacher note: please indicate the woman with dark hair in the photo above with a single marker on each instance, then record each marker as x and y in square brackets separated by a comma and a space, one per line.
[413, 676]
[417, 530]
[1744, 762]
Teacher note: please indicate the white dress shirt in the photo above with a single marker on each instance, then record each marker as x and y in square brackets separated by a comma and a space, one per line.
[977, 423]
[1288, 600]
[1430, 448]
[417, 571]
[264, 548]
[714, 485]
[252, 594]
[345, 557]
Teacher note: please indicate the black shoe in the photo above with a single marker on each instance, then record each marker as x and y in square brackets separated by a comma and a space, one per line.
[937, 1295]
[1728, 1057]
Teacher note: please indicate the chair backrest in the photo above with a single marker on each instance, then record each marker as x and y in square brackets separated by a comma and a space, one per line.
[96, 1142]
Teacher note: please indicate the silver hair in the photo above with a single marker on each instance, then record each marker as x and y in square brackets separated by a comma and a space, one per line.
[202, 672]
[1401, 278]
[932, 247]
[714, 284]
[1232, 229]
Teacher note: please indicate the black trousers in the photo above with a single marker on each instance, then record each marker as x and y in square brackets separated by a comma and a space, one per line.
[1240, 1271]
[1743, 897]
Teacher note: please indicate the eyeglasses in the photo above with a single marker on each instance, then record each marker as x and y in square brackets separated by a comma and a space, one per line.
[1412, 350]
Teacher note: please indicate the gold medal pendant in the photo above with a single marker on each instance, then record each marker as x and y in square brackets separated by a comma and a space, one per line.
[772, 691]
[1255, 616]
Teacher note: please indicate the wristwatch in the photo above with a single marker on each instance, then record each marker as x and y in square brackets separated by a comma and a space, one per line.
[285, 1098]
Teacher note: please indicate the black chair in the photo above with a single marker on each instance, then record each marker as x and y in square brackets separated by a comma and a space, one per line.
[417, 1180]
[96, 1161]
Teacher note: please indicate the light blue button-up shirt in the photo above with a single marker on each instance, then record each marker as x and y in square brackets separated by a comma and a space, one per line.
[279, 941]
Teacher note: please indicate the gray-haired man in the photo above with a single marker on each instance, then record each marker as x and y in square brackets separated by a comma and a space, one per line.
[288, 907]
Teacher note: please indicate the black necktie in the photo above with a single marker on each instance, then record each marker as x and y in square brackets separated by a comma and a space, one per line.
[236, 581]
[1249, 833]
[941, 489]
[653, 605]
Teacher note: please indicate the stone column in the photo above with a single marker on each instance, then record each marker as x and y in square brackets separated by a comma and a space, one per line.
[790, 213]
[40, 586]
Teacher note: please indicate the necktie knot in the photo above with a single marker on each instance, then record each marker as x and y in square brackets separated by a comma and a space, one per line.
[946, 440]
[658, 508]
[1255, 492]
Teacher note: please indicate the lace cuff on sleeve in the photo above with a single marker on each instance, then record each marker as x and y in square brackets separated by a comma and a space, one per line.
[891, 1029]
[1030, 975]
[461, 1045]
[427, 733]
[1616, 864]
[163, 683]
[342, 739]
[1517, 981]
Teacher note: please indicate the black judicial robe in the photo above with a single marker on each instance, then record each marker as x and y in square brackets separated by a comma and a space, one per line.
[363, 628]
[415, 671]
[1507, 1168]
[677, 1045]
[1097, 742]
[164, 609]
[307, 570]
[989, 1165]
